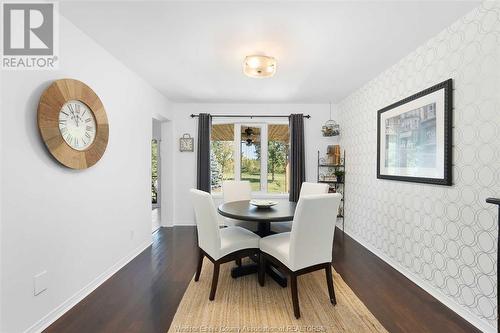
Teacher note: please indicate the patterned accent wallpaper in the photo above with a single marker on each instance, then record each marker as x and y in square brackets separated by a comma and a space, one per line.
[443, 238]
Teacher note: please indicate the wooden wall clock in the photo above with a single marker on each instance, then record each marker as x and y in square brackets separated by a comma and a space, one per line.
[73, 123]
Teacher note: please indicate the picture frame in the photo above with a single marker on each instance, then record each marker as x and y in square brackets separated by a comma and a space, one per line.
[414, 137]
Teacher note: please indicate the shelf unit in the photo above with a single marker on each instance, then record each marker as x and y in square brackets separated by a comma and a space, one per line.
[335, 185]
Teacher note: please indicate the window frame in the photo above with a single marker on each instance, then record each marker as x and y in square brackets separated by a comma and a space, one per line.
[264, 126]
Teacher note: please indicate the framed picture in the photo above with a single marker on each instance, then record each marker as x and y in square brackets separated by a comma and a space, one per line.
[415, 137]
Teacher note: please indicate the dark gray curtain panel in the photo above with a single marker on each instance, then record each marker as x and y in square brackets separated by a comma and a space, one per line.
[203, 158]
[297, 155]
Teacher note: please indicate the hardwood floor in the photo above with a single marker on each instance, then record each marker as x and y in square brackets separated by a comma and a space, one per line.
[399, 304]
[143, 296]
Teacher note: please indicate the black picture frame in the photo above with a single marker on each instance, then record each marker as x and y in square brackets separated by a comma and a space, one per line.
[447, 142]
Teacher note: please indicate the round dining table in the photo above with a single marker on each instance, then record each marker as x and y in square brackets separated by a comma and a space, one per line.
[263, 217]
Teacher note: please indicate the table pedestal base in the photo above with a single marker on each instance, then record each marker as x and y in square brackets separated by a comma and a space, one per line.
[253, 268]
[276, 275]
[264, 229]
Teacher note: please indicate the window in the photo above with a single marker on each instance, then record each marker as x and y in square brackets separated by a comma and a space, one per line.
[221, 155]
[250, 156]
[278, 146]
[255, 152]
[154, 170]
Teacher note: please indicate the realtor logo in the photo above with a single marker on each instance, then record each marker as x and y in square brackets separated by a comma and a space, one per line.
[29, 31]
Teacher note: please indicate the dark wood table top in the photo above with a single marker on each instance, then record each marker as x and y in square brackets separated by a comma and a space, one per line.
[243, 210]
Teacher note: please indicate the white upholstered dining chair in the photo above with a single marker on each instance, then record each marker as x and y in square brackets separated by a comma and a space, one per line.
[306, 189]
[237, 190]
[218, 245]
[308, 247]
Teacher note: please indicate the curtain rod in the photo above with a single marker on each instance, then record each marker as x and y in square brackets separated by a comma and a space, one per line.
[247, 116]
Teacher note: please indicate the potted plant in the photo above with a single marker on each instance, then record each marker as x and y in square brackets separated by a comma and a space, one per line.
[340, 175]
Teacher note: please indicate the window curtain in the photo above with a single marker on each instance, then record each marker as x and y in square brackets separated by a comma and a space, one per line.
[203, 154]
[297, 155]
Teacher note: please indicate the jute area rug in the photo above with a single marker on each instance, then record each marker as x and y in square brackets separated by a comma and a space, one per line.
[241, 305]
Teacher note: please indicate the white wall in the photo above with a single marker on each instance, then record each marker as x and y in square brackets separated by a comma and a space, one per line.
[443, 238]
[167, 150]
[185, 163]
[80, 226]
[1, 210]
[156, 125]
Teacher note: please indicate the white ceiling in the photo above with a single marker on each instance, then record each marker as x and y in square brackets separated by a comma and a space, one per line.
[193, 51]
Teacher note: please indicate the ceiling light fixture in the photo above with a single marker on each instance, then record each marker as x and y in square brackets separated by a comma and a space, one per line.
[259, 66]
[249, 134]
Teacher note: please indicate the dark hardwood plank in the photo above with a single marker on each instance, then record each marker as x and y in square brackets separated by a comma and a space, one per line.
[398, 303]
[143, 296]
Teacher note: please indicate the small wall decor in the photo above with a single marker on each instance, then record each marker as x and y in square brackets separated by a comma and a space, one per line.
[73, 123]
[186, 143]
[333, 153]
[415, 137]
[330, 128]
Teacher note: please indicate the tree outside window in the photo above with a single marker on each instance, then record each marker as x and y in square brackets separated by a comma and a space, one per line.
[154, 171]
[277, 158]
[221, 155]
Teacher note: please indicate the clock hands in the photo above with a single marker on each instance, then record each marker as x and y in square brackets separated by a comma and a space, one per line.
[79, 120]
[74, 116]
[77, 126]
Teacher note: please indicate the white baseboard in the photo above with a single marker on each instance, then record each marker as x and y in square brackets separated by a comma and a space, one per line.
[55, 314]
[183, 223]
[462, 312]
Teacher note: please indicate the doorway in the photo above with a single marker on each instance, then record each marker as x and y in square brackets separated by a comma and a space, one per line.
[155, 176]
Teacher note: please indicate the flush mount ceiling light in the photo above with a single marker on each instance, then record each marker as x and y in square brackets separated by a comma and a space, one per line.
[259, 66]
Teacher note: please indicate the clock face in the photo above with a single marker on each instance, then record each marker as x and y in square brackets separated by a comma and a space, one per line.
[77, 125]
[186, 144]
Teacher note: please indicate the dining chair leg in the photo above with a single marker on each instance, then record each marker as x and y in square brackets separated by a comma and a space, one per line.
[329, 282]
[295, 295]
[238, 262]
[215, 280]
[262, 270]
[200, 263]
